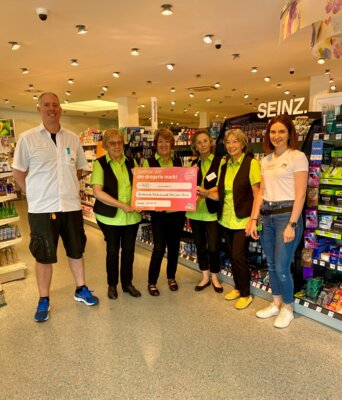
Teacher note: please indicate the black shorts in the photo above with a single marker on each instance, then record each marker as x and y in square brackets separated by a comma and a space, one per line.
[46, 229]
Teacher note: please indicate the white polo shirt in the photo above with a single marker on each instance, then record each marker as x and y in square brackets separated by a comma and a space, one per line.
[51, 183]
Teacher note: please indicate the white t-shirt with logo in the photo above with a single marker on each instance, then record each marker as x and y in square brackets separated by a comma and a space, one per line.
[51, 182]
[278, 174]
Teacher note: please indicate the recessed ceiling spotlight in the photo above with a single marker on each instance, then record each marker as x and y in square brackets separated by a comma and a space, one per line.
[331, 80]
[254, 69]
[233, 90]
[327, 71]
[35, 97]
[185, 110]
[6, 101]
[24, 71]
[208, 99]
[208, 39]
[170, 67]
[116, 74]
[321, 61]
[68, 93]
[142, 105]
[105, 88]
[173, 102]
[217, 85]
[66, 101]
[148, 82]
[287, 92]
[225, 117]
[31, 85]
[135, 51]
[216, 116]
[267, 78]
[278, 85]
[245, 96]
[134, 93]
[74, 62]
[172, 89]
[71, 81]
[333, 87]
[14, 45]
[191, 95]
[166, 9]
[81, 29]
[236, 56]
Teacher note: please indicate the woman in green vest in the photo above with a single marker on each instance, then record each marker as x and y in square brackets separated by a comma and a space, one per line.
[111, 181]
[203, 221]
[237, 191]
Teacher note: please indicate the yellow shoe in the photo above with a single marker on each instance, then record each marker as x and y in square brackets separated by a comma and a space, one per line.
[243, 302]
[232, 295]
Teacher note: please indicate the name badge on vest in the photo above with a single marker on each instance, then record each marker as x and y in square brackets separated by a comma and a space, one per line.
[211, 176]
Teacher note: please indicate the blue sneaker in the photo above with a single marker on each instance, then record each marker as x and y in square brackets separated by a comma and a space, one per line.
[42, 313]
[86, 296]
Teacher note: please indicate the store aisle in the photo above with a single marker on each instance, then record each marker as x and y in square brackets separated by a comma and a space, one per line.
[181, 345]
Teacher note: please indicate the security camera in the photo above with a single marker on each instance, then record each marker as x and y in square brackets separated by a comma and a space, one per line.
[292, 71]
[218, 44]
[42, 13]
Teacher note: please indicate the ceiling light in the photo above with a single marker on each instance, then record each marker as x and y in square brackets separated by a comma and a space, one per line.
[217, 85]
[287, 92]
[6, 101]
[216, 116]
[172, 89]
[30, 85]
[116, 74]
[245, 96]
[24, 71]
[14, 45]
[142, 105]
[68, 93]
[208, 39]
[81, 29]
[135, 51]
[191, 95]
[327, 71]
[66, 101]
[333, 87]
[254, 69]
[208, 99]
[170, 67]
[148, 82]
[166, 9]
[74, 62]
[71, 81]
[173, 102]
[185, 110]
[278, 85]
[35, 97]
[105, 88]
[331, 80]
[236, 56]
[267, 78]
[225, 117]
[321, 61]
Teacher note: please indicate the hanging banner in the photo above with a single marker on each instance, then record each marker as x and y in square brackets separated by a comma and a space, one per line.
[154, 113]
[164, 189]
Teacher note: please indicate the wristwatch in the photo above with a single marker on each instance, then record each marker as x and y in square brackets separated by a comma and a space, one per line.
[292, 224]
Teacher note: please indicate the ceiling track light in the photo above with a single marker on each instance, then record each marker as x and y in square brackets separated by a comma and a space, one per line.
[74, 62]
[14, 45]
[170, 67]
[267, 78]
[81, 29]
[116, 74]
[68, 93]
[321, 61]
[105, 88]
[71, 81]
[208, 39]
[166, 9]
[135, 51]
[24, 71]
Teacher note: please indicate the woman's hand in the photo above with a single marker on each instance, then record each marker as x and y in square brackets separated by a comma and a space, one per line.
[201, 192]
[288, 234]
[127, 208]
[253, 232]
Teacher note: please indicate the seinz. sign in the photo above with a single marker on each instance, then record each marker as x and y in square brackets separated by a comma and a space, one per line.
[273, 108]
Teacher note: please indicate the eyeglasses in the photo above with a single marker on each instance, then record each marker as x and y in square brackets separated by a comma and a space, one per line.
[114, 143]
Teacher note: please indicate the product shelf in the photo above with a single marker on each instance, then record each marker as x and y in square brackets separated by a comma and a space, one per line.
[7, 174]
[330, 181]
[12, 242]
[328, 234]
[8, 197]
[5, 221]
[328, 265]
[333, 209]
[327, 136]
[12, 272]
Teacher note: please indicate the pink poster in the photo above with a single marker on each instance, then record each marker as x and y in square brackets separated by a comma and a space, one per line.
[164, 189]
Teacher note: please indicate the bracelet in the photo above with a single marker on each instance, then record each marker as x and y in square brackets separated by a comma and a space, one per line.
[254, 219]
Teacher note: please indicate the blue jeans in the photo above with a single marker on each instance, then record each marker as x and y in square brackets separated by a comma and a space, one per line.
[279, 255]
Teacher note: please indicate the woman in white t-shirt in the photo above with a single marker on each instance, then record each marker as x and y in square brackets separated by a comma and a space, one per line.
[284, 174]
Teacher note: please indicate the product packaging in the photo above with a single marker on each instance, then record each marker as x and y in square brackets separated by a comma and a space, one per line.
[327, 196]
[312, 196]
[309, 240]
[311, 218]
[314, 175]
[306, 259]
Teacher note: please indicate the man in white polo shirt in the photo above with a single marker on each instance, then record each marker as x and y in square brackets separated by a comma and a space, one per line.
[47, 165]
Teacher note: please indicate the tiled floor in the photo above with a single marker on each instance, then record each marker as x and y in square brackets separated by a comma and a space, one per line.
[181, 345]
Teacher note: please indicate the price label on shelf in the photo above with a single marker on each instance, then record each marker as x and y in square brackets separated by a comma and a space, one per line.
[263, 287]
[315, 261]
[319, 309]
[300, 138]
[339, 268]
[322, 263]
[326, 137]
[316, 136]
[297, 301]
[338, 136]
[252, 140]
[306, 304]
[331, 314]
[254, 284]
[258, 140]
[269, 290]
[229, 274]
[258, 285]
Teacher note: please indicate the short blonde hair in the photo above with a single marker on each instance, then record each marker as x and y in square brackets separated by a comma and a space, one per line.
[108, 133]
[166, 134]
[240, 136]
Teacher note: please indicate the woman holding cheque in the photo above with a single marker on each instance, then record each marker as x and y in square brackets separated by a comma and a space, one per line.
[203, 221]
[167, 226]
[111, 181]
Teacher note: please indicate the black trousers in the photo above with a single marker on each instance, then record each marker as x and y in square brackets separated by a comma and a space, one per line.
[206, 237]
[116, 237]
[237, 245]
[166, 230]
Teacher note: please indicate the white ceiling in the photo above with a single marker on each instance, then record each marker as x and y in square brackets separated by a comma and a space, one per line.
[250, 28]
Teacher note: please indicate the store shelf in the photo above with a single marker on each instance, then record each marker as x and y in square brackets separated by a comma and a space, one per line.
[89, 144]
[328, 234]
[91, 158]
[90, 221]
[334, 209]
[327, 136]
[330, 181]
[328, 265]
[12, 242]
[5, 221]
[12, 272]
[8, 197]
[7, 174]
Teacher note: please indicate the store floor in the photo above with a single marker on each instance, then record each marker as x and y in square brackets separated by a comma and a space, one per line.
[181, 345]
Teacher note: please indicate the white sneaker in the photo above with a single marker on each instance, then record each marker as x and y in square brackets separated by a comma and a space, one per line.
[267, 312]
[284, 318]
